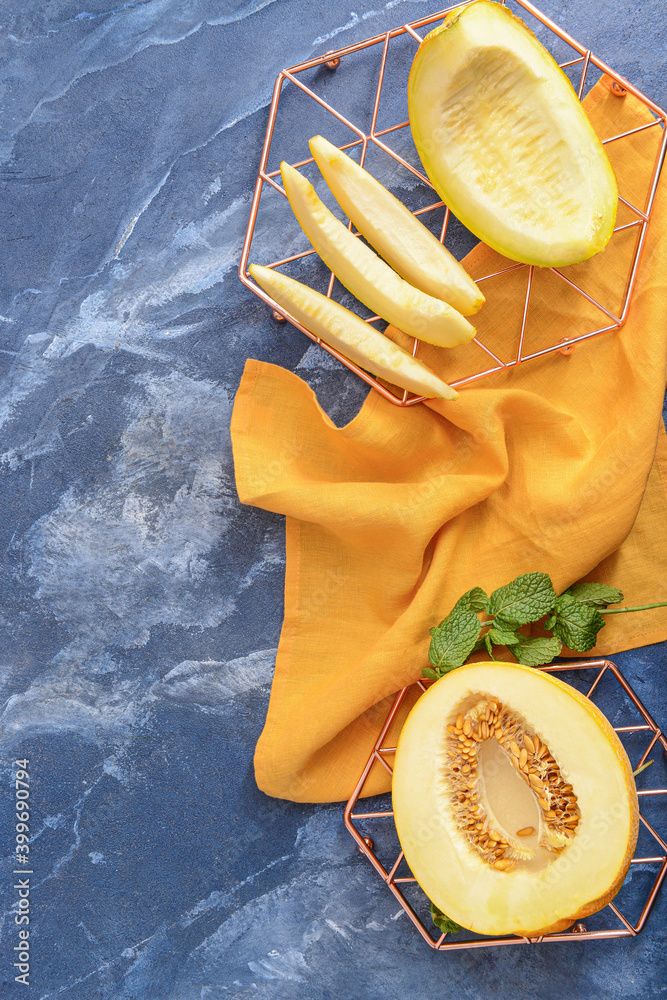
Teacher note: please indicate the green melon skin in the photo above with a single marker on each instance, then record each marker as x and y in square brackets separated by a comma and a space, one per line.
[505, 141]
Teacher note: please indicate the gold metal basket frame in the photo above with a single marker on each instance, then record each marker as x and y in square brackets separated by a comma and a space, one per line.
[492, 363]
[382, 755]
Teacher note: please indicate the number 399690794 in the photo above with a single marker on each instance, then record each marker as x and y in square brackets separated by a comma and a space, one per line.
[22, 786]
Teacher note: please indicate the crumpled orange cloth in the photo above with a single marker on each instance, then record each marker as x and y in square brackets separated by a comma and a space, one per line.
[552, 466]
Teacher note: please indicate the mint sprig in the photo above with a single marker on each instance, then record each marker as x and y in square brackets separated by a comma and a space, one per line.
[473, 600]
[453, 639]
[576, 624]
[535, 652]
[503, 636]
[598, 594]
[526, 599]
[443, 922]
[574, 619]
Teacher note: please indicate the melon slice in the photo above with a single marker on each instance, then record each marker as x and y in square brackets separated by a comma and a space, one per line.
[347, 333]
[367, 276]
[393, 230]
[505, 141]
[514, 800]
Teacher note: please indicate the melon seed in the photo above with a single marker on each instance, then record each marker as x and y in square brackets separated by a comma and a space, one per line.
[502, 864]
[529, 756]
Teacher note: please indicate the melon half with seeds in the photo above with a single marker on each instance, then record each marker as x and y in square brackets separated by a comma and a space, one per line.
[514, 800]
[505, 141]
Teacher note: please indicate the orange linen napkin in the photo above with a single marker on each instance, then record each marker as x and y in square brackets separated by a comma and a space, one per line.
[551, 467]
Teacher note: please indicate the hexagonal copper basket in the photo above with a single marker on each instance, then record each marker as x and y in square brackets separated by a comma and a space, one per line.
[368, 134]
[369, 827]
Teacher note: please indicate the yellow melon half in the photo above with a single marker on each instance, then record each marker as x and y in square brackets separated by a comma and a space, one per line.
[505, 141]
[514, 800]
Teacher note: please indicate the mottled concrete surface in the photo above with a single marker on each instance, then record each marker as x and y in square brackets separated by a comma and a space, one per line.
[141, 604]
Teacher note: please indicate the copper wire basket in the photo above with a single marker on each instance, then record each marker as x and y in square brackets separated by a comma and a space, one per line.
[370, 825]
[379, 48]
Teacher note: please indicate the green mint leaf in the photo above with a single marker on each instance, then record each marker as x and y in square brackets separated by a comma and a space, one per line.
[489, 645]
[535, 652]
[480, 644]
[472, 600]
[453, 640]
[503, 624]
[596, 594]
[577, 625]
[503, 637]
[443, 922]
[525, 599]
[430, 673]
[550, 622]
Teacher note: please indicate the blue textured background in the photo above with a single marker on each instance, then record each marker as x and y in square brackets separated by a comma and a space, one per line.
[141, 605]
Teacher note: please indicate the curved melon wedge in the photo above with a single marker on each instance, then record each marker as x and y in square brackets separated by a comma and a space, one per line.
[514, 800]
[506, 142]
[393, 230]
[347, 333]
[367, 276]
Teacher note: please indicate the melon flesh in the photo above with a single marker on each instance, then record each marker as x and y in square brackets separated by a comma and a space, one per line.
[348, 333]
[394, 231]
[367, 276]
[547, 878]
[506, 142]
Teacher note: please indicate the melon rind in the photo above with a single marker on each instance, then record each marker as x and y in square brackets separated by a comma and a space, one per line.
[505, 141]
[587, 873]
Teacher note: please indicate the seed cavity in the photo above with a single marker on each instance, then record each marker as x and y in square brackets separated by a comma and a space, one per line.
[531, 759]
